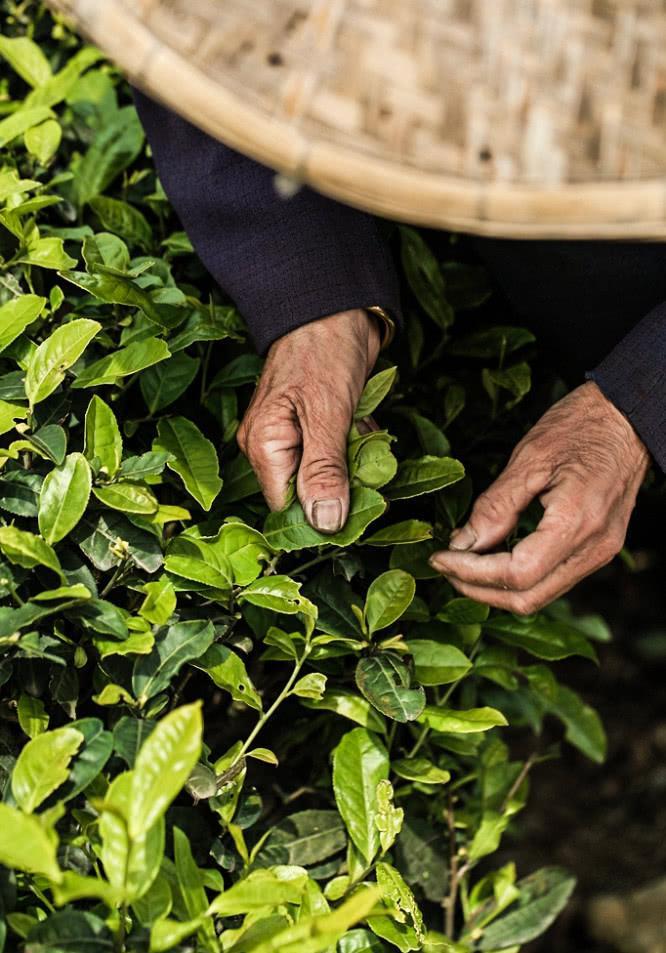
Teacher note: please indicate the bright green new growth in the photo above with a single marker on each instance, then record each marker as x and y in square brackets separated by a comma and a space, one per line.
[232, 732]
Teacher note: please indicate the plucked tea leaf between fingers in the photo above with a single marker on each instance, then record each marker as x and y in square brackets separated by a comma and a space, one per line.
[375, 391]
[64, 497]
[288, 529]
[193, 458]
[163, 766]
[56, 355]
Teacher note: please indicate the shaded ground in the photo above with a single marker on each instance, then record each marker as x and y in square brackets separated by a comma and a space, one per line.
[608, 823]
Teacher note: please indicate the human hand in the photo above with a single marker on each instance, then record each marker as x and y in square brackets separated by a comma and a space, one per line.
[585, 463]
[301, 412]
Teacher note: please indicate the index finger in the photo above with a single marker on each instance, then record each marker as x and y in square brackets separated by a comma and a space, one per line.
[555, 540]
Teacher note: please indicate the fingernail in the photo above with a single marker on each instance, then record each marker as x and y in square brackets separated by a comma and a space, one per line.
[327, 515]
[462, 539]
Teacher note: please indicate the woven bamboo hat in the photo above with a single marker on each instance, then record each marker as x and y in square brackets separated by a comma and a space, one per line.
[519, 118]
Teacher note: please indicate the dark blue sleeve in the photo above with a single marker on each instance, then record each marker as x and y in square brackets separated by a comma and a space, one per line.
[283, 261]
[633, 377]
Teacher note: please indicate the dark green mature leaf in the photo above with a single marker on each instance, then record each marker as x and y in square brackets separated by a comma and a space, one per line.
[70, 931]
[424, 475]
[164, 383]
[116, 145]
[110, 539]
[543, 895]
[123, 219]
[385, 681]
[306, 838]
[180, 643]
[425, 277]
[437, 663]
[540, 637]
[19, 492]
[288, 530]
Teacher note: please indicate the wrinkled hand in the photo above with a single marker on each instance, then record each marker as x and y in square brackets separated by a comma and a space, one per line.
[302, 410]
[585, 463]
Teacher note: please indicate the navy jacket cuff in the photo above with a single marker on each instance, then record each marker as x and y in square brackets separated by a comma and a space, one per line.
[633, 377]
[283, 261]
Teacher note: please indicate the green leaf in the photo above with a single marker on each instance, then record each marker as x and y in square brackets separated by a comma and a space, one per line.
[371, 462]
[116, 145]
[20, 121]
[487, 837]
[584, 728]
[437, 663]
[385, 681]
[193, 458]
[462, 722]
[26, 845]
[163, 766]
[463, 612]
[349, 706]
[47, 253]
[389, 596]
[144, 466]
[71, 931]
[543, 895]
[32, 716]
[261, 888]
[360, 762]
[375, 392]
[228, 671]
[130, 864]
[16, 315]
[425, 277]
[517, 380]
[312, 685]
[279, 593]
[43, 765]
[492, 342]
[424, 475]
[160, 601]
[124, 362]
[123, 219]
[27, 550]
[103, 442]
[540, 637]
[128, 498]
[64, 497]
[19, 492]
[164, 383]
[389, 818]
[47, 366]
[288, 530]
[9, 414]
[26, 58]
[42, 141]
[181, 643]
[303, 839]
[421, 770]
[397, 892]
[409, 531]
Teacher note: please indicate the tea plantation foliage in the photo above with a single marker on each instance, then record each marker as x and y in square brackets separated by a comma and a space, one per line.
[222, 730]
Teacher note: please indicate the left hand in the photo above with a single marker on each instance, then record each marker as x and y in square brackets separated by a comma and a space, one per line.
[585, 463]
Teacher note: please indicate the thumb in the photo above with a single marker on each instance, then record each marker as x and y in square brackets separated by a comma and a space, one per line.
[496, 511]
[322, 483]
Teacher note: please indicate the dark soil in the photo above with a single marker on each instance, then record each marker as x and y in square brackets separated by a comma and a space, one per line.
[607, 824]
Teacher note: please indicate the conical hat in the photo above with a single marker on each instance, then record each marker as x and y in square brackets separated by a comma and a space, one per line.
[519, 118]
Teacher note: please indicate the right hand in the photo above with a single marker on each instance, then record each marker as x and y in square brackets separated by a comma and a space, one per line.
[302, 410]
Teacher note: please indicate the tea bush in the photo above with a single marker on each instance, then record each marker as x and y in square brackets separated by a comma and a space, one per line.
[222, 730]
